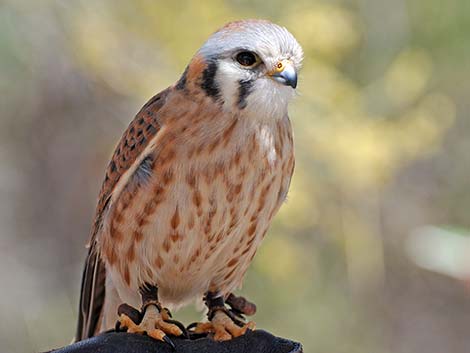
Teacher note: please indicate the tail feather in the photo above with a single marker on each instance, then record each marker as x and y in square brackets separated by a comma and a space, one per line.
[91, 296]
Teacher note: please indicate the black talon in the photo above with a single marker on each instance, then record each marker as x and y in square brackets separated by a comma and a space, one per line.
[170, 342]
[132, 313]
[180, 326]
[168, 312]
[193, 335]
[191, 326]
[118, 327]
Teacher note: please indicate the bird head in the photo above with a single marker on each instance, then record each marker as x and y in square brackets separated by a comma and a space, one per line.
[249, 65]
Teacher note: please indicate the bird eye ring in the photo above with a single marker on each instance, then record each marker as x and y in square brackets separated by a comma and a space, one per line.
[247, 58]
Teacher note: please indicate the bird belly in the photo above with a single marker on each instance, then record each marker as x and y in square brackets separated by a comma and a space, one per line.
[194, 226]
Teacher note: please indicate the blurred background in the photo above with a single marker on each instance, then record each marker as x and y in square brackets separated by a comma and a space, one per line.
[371, 253]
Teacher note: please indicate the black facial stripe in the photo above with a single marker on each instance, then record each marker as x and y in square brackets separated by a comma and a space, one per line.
[244, 89]
[182, 81]
[208, 83]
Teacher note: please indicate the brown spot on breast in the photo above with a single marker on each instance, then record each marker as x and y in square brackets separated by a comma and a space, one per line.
[208, 226]
[219, 169]
[126, 275]
[197, 198]
[158, 191]
[191, 179]
[261, 203]
[210, 237]
[233, 211]
[242, 173]
[166, 245]
[141, 220]
[200, 148]
[228, 275]
[191, 221]
[230, 195]
[252, 147]
[130, 255]
[137, 236]
[175, 237]
[237, 157]
[213, 145]
[150, 207]
[232, 262]
[158, 262]
[251, 230]
[278, 148]
[114, 233]
[175, 220]
[194, 257]
[247, 248]
[166, 156]
[252, 256]
[232, 225]
[237, 189]
[118, 218]
[254, 217]
[263, 194]
[234, 190]
[125, 199]
[168, 176]
[208, 175]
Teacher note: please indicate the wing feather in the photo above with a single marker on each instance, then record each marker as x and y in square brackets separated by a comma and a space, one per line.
[133, 142]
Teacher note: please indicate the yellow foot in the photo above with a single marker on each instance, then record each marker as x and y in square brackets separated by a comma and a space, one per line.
[154, 324]
[223, 327]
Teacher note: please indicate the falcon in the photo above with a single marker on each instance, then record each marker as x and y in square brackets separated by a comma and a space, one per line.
[192, 188]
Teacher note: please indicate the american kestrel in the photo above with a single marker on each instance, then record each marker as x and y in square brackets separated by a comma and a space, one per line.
[192, 187]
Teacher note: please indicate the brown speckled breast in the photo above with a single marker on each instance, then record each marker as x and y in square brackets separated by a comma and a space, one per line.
[194, 211]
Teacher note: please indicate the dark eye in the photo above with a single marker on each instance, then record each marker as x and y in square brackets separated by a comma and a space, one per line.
[247, 58]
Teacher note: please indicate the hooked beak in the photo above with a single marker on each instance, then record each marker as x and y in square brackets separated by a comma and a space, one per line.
[285, 73]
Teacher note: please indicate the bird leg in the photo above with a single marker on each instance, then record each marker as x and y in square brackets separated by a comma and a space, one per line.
[152, 320]
[223, 324]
